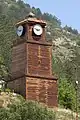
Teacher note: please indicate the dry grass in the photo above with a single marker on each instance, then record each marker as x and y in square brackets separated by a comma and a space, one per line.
[8, 98]
[64, 114]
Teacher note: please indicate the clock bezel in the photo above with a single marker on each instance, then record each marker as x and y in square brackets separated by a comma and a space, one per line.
[22, 30]
[37, 33]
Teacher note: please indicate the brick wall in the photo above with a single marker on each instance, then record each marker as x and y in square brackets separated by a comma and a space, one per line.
[18, 85]
[18, 60]
[42, 90]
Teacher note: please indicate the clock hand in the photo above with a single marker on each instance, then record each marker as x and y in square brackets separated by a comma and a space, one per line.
[37, 29]
[20, 30]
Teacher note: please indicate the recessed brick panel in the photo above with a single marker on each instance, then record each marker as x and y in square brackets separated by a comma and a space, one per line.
[18, 60]
[39, 60]
[42, 90]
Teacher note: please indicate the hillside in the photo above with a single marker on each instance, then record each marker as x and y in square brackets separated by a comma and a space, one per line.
[66, 47]
[12, 107]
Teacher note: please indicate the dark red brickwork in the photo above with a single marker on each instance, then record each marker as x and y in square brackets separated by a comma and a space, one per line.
[39, 89]
[42, 90]
[39, 61]
[18, 85]
[32, 66]
[18, 60]
[33, 59]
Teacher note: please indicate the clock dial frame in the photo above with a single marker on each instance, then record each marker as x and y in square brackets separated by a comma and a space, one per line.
[20, 30]
[37, 29]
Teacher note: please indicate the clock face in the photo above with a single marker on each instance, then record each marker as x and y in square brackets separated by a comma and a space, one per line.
[20, 30]
[37, 29]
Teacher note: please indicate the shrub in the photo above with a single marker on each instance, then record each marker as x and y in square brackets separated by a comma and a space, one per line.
[7, 90]
[67, 94]
[26, 111]
[5, 114]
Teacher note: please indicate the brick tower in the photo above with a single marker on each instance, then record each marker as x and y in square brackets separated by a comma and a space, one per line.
[32, 63]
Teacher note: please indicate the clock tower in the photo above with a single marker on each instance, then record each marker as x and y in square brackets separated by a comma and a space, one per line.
[31, 70]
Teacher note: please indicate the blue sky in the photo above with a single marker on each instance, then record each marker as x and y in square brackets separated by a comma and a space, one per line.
[68, 11]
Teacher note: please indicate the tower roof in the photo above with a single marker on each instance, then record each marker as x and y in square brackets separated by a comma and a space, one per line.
[31, 19]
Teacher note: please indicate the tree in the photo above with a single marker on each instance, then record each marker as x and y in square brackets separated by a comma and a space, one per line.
[70, 29]
[3, 70]
[67, 94]
[38, 12]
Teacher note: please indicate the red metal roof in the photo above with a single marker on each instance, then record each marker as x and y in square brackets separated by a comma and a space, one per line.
[31, 20]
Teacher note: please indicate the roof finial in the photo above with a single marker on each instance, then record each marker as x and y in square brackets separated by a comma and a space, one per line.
[31, 14]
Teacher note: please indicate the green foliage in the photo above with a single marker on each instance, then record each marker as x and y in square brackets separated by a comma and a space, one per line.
[67, 94]
[26, 111]
[7, 90]
[3, 69]
[5, 114]
[37, 12]
[12, 11]
[69, 29]
[67, 76]
[21, 98]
